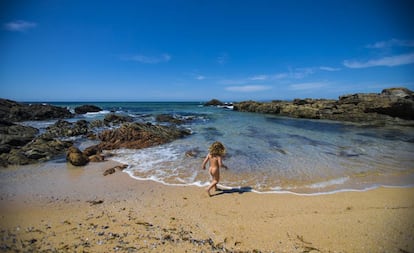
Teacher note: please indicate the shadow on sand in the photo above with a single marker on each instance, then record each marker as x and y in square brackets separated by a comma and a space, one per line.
[239, 190]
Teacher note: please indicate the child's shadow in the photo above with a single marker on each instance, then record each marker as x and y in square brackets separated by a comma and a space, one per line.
[239, 190]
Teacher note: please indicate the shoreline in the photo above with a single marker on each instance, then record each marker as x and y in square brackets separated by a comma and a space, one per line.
[74, 209]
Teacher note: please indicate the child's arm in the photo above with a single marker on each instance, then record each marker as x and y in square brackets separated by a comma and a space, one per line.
[203, 166]
[220, 162]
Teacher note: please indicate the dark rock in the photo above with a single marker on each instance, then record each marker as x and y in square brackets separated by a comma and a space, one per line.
[38, 150]
[116, 119]
[138, 135]
[214, 102]
[92, 150]
[15, 135]
[109, 171]
[64, 128]
[87, 108]
[169, 119]
[14, 111]
[192, 153]
[76, 157]
[96, 158]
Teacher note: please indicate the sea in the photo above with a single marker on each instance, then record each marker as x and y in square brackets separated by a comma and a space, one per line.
[265, 153]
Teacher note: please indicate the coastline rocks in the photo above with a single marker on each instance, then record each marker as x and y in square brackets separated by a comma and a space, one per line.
[392, 105]
[64, 128]
[76, 157]
[138, 135]
[83, 109]
[14, 111]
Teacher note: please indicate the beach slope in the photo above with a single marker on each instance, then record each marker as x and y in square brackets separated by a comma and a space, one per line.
[59, 208]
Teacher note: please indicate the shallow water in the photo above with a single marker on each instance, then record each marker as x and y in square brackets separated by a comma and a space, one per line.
[269, 153]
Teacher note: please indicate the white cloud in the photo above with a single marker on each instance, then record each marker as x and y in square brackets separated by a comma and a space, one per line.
[300, 73]
[233, 81]
[19, 26]
[281, 76]
[248, 88]
[259, 78]
[391, 43]
[148, 59]
[308, 86]
[389, 61]
[200, 77]
[330, 69]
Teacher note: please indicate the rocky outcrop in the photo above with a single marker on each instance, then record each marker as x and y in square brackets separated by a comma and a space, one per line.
[392, 105]
[14, 111]
[14, 135]
[138, 135]
[87, 108]
[39, 149]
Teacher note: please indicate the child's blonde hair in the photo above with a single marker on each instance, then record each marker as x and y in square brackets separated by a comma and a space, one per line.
[217, 149]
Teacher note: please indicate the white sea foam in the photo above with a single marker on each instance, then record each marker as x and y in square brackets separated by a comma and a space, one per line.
[96, 114]
[337, 181]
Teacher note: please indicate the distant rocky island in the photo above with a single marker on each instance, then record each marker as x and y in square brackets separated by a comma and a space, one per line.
[393, 106]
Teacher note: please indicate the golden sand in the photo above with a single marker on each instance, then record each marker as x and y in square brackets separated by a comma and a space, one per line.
[80, 210]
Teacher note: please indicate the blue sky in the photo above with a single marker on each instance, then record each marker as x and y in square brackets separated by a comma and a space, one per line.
[198, 50]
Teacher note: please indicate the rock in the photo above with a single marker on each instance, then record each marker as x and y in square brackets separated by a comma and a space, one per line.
[64, 128]
[109, 171]
[192, 153]
[87, 108]
[15, 135]
[14, 111]
[138, 135]
[392, 106]
[38, 150]
[168, 118]
[214, 102]
[116, 119]
[96, 158]
[76, 157]
[398, 92]
[92, 150]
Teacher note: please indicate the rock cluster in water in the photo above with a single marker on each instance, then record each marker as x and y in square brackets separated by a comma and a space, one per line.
[391, 106]
[21, 145]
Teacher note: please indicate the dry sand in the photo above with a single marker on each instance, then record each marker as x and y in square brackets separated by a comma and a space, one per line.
[59, 208]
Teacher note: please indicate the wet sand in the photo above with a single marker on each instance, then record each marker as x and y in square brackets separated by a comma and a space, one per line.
[59, 208]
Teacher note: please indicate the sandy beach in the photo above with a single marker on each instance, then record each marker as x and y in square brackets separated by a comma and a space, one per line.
[60, 208]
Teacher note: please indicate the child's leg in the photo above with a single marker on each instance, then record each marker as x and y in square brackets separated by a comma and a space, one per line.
[213, 184]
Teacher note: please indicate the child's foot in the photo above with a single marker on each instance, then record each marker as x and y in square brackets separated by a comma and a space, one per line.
[208, 192]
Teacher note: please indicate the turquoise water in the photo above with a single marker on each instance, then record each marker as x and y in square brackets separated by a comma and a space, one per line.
[268, 153]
